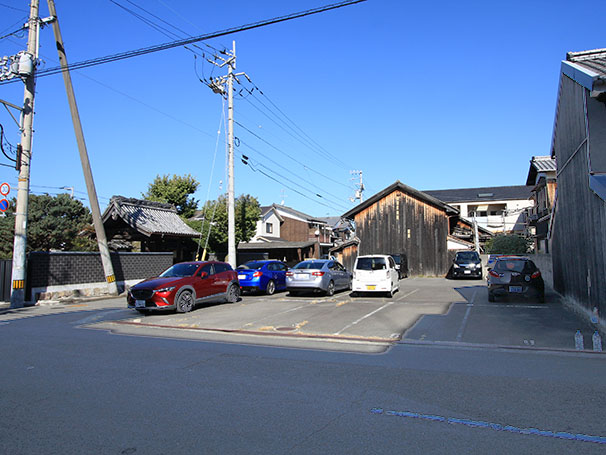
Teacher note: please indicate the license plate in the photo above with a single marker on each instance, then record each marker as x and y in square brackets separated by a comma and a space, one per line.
[301, 277]
[139, 303]
[515, 289]
[468, 272]
[370, 288]
[241, 277]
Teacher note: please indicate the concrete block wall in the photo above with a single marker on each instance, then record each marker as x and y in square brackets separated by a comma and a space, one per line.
[63, 274]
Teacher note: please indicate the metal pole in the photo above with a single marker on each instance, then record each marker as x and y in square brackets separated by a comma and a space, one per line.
[20, 241]
[88, 175]
[231, 216]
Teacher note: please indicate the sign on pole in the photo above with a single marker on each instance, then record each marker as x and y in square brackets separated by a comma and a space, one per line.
[5, 188]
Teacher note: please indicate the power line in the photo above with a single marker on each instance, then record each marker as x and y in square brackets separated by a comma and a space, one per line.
[186, 41]
[284, 168]
[294, 159]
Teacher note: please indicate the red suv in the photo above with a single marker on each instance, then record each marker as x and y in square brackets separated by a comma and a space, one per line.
[184, 285]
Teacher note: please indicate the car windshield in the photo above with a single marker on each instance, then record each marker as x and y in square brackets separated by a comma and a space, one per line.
[512, 265]
[309, 265]
[371, 264]
[467, 256]
[178, 270]
[251, 265]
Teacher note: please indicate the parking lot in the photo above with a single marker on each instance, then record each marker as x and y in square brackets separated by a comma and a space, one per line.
[425, 310]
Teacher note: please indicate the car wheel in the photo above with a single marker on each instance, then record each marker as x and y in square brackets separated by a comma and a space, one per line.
[490, 297]
[541, 297]
[270, 288]
[233, 293]
[184, 302]
[330, 290]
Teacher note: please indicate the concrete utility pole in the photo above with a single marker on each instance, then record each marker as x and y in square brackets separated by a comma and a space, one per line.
[88, 175]
[359, 192]
[231, 204]
[218, 86]
[20, 241]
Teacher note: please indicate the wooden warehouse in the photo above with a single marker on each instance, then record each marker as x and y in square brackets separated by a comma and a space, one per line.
[403, 220]
[578, 232]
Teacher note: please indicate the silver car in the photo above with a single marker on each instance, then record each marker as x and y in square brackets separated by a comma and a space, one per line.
[317, 275]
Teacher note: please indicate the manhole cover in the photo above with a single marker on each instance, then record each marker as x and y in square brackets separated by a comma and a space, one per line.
[285, 329]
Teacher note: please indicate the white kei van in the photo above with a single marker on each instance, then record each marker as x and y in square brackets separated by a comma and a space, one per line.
[375, 273]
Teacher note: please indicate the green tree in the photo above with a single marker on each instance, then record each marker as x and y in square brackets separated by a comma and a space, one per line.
[508, 244]
[247, 213]
[174, 190]
[53, 223]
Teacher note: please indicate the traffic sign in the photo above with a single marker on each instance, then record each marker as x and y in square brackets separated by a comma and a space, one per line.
[3, 205]
[5, 188]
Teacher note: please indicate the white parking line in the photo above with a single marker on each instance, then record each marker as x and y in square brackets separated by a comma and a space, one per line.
[371, 313]
[275, 314]
[464, 322]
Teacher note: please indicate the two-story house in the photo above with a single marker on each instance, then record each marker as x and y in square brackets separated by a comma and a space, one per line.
[542, 176]
[288, 235]
[497, 209]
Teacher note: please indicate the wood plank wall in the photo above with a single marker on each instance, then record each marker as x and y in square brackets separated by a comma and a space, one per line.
[400, 223]
[579, 237]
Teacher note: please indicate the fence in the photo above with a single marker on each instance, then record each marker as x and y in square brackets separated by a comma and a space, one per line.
[60, 274]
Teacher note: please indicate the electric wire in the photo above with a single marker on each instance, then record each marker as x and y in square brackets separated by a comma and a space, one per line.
[287, 154]
[296, 135]
[186, 41]
[284, 168]
[13, 8]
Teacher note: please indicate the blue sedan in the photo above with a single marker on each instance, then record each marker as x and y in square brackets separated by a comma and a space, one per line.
[262, 276]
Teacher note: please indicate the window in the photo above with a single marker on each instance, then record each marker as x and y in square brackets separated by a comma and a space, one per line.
[269, 228]
[208, 268]
[221, 267]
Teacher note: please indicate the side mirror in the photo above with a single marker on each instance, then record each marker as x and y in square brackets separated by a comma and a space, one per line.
[203, 275]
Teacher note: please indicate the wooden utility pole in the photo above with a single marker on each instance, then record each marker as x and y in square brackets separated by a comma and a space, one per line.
[88, 175]
[20, 240]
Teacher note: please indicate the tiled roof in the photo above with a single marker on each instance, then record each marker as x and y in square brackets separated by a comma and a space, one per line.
[492, 193]
[148, 217]
[291, 211]
[399, 186]
[540, 164]
[274, 245]
[594, 60]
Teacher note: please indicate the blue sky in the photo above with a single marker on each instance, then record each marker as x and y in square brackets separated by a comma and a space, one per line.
[434, 94]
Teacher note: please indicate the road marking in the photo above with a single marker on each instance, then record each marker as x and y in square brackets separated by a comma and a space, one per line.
[494, 426]
[370, 314]
[400, 298]
[464, 322]
[272, 315]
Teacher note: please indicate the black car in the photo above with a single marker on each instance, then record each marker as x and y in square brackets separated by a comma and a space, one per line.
[401, 264]
[467, 264]
[517, 276]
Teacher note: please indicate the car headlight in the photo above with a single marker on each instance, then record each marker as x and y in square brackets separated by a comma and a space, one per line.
[165, 289]
[456, 266]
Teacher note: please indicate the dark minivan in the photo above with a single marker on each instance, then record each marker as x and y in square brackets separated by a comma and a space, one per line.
[467, 264]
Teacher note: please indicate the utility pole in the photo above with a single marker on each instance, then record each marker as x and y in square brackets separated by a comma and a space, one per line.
[218, 86]
[231, 203]
[475, 234]
[20, 240]
[360, 187]
[88, 175]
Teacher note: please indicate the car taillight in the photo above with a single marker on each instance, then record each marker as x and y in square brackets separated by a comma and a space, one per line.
[494, 274]
[257, 274]
[289, 274]
[535, 274]
[317, 273]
